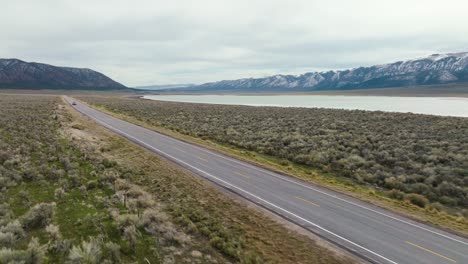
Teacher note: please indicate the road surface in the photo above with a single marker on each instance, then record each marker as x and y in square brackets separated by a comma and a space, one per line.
[372, 233]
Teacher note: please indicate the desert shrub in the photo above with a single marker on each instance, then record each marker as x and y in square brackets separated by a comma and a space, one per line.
[88, 252]
[8, 255]
[7, 239]
[6, 215]
[29, 174]
[464, 212]
[83, 190]
[251, 258]
[4, 156]
[134, 192]
[158, 223]
[35, 253]
[25, 197]
[417, 199]
[53, 232]
[144, 201]
[169, 233]
[153, 216]
[396, 194]
[60, 246]
[448, 200]
[126, 220]
[59, 193]
[15, 228]
[122, 185]
[55, 174]
[108, 163]
[91, 185]
[108, 175]
[112, 252]
[227, 248]
[38, 216]
[5, 183]
[130, 235]
[437, 206]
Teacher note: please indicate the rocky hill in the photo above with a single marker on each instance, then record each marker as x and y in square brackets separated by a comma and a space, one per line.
[17, 74]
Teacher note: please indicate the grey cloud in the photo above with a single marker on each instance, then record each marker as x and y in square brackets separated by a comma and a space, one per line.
[156, 42]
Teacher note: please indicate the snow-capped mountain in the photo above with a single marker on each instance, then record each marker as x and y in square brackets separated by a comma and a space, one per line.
[434, 69]
[16, 74]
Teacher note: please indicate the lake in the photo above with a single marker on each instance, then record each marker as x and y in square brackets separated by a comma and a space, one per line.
[443, 106]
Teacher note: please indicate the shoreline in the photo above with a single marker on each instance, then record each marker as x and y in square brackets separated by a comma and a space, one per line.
[453, 90]
[321, 93]
[459, 109]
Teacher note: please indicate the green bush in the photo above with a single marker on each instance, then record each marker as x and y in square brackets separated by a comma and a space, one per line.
[417, 199]
[396, 194]
[38, 216]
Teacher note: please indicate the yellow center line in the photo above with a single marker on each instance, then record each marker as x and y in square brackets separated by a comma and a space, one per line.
[205, 160]
[241, 174]
[430, 251]
[179, 149]
[307, 201]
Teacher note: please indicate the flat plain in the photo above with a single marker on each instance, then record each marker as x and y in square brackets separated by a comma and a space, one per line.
[72, 192]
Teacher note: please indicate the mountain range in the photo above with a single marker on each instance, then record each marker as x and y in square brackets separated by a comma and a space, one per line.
[433, 69]
[18, 74]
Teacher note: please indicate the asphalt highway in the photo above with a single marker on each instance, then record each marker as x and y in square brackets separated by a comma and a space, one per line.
[374, 234]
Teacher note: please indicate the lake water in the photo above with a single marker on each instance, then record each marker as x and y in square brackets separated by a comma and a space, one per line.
[444, 106]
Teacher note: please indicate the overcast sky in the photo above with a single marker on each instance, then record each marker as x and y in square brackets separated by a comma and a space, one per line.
[143, 42]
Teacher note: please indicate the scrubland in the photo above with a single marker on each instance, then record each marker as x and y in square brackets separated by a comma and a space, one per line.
[414, 160]
[72, 192]
[58, 204]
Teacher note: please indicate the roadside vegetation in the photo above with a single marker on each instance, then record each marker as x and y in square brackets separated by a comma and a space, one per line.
[416, 160]
[72, 192]
[57, 204]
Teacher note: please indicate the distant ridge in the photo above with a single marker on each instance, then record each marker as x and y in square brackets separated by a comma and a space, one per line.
[18, 74]
[433, 69]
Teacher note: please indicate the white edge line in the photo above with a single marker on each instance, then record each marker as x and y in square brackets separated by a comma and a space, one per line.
[284, 178]
[319, 191]
[246, 192]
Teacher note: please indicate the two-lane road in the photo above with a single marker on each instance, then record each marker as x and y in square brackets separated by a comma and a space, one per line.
[375, 234]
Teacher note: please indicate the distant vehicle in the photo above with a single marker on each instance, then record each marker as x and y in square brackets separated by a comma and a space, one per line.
[74, 103]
